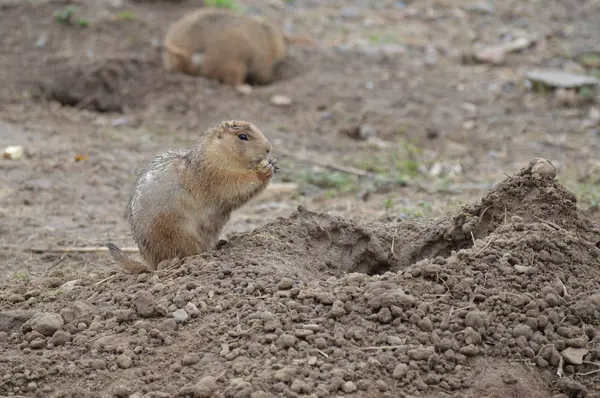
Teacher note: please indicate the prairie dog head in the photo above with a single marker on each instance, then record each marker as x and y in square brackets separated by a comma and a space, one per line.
[241, 143]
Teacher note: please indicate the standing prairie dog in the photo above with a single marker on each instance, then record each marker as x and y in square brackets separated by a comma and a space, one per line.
[221, 45]
[182, 199]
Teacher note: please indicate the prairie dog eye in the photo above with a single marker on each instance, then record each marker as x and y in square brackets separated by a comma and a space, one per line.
[243, 137]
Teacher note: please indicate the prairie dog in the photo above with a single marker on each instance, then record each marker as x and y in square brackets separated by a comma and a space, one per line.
[182, 199]
[221, 45]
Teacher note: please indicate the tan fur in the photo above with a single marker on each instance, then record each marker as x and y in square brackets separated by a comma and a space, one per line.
[182, 199]
[299, 39]
[233, 48]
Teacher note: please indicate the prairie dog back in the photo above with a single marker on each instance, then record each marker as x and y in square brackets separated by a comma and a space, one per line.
[224, 46]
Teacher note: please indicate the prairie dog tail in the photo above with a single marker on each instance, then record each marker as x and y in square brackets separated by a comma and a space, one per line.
[173, 57]
[128, 264]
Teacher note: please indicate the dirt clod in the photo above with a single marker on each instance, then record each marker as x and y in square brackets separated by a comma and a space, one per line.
[144, 303]
[190, 359]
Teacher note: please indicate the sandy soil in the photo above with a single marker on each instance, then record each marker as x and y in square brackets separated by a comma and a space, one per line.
[457, 266]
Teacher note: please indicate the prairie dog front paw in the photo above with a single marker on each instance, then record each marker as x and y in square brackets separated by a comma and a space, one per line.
[266, 168]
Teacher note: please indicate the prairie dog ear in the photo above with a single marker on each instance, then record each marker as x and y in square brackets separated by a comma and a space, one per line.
[231, 125]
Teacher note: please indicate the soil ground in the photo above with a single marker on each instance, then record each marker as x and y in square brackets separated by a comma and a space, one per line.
[457, 267]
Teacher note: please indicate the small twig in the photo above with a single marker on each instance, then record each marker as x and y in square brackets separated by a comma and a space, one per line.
[565, 292]
[559, 370]
[464, 308]
[106, 279]
[343, 169]
[485, 247]
[88, 249]
[549, 223]
[383, 347]
[525, 125]
[591, 372]
[472, 237]
[482, 213]
[505, 173]
[394, 240]
[322, 353]
[54, 264]
[592, 363]
[438, 297]
[541, 349]
[310, 326]
[221, 374]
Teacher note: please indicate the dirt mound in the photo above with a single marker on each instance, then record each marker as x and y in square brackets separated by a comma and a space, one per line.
[106, 86]
[492, 301]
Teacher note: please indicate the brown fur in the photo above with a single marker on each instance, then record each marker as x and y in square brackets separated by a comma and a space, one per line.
[221, 45]
[182, 199]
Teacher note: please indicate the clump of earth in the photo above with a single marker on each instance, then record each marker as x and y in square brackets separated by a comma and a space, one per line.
[500, 299]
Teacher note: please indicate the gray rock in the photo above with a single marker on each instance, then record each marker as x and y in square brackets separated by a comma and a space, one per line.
[60, 338]
[350, 13]
[366, 132]
[400, 371]
[190, 359]
[46, 323]
[191, 309]
[144, 303]
[477, 319]
[522, 330]
[574, 355]
[472, 336]
[180, 315]
[285, 284]
[287, 340]
[124, 362]
[559, 78]
[421, 354]
[37, 343]
[480, 7]
[15, 298]
[393, 297]
[205, 387]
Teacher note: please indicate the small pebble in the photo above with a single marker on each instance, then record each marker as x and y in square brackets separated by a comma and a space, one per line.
[15, 298]
[180, 315]
[281, 100]
[349, 387]
[124, 362]
[400, 371]
[287, 340]
[60, 337]
[190, 359]
[191, 309]
[245, 89]
[285, 284]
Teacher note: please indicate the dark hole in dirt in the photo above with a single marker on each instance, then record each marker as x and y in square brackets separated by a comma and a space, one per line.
[297, 61]
[336, 246]
[106, 86]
